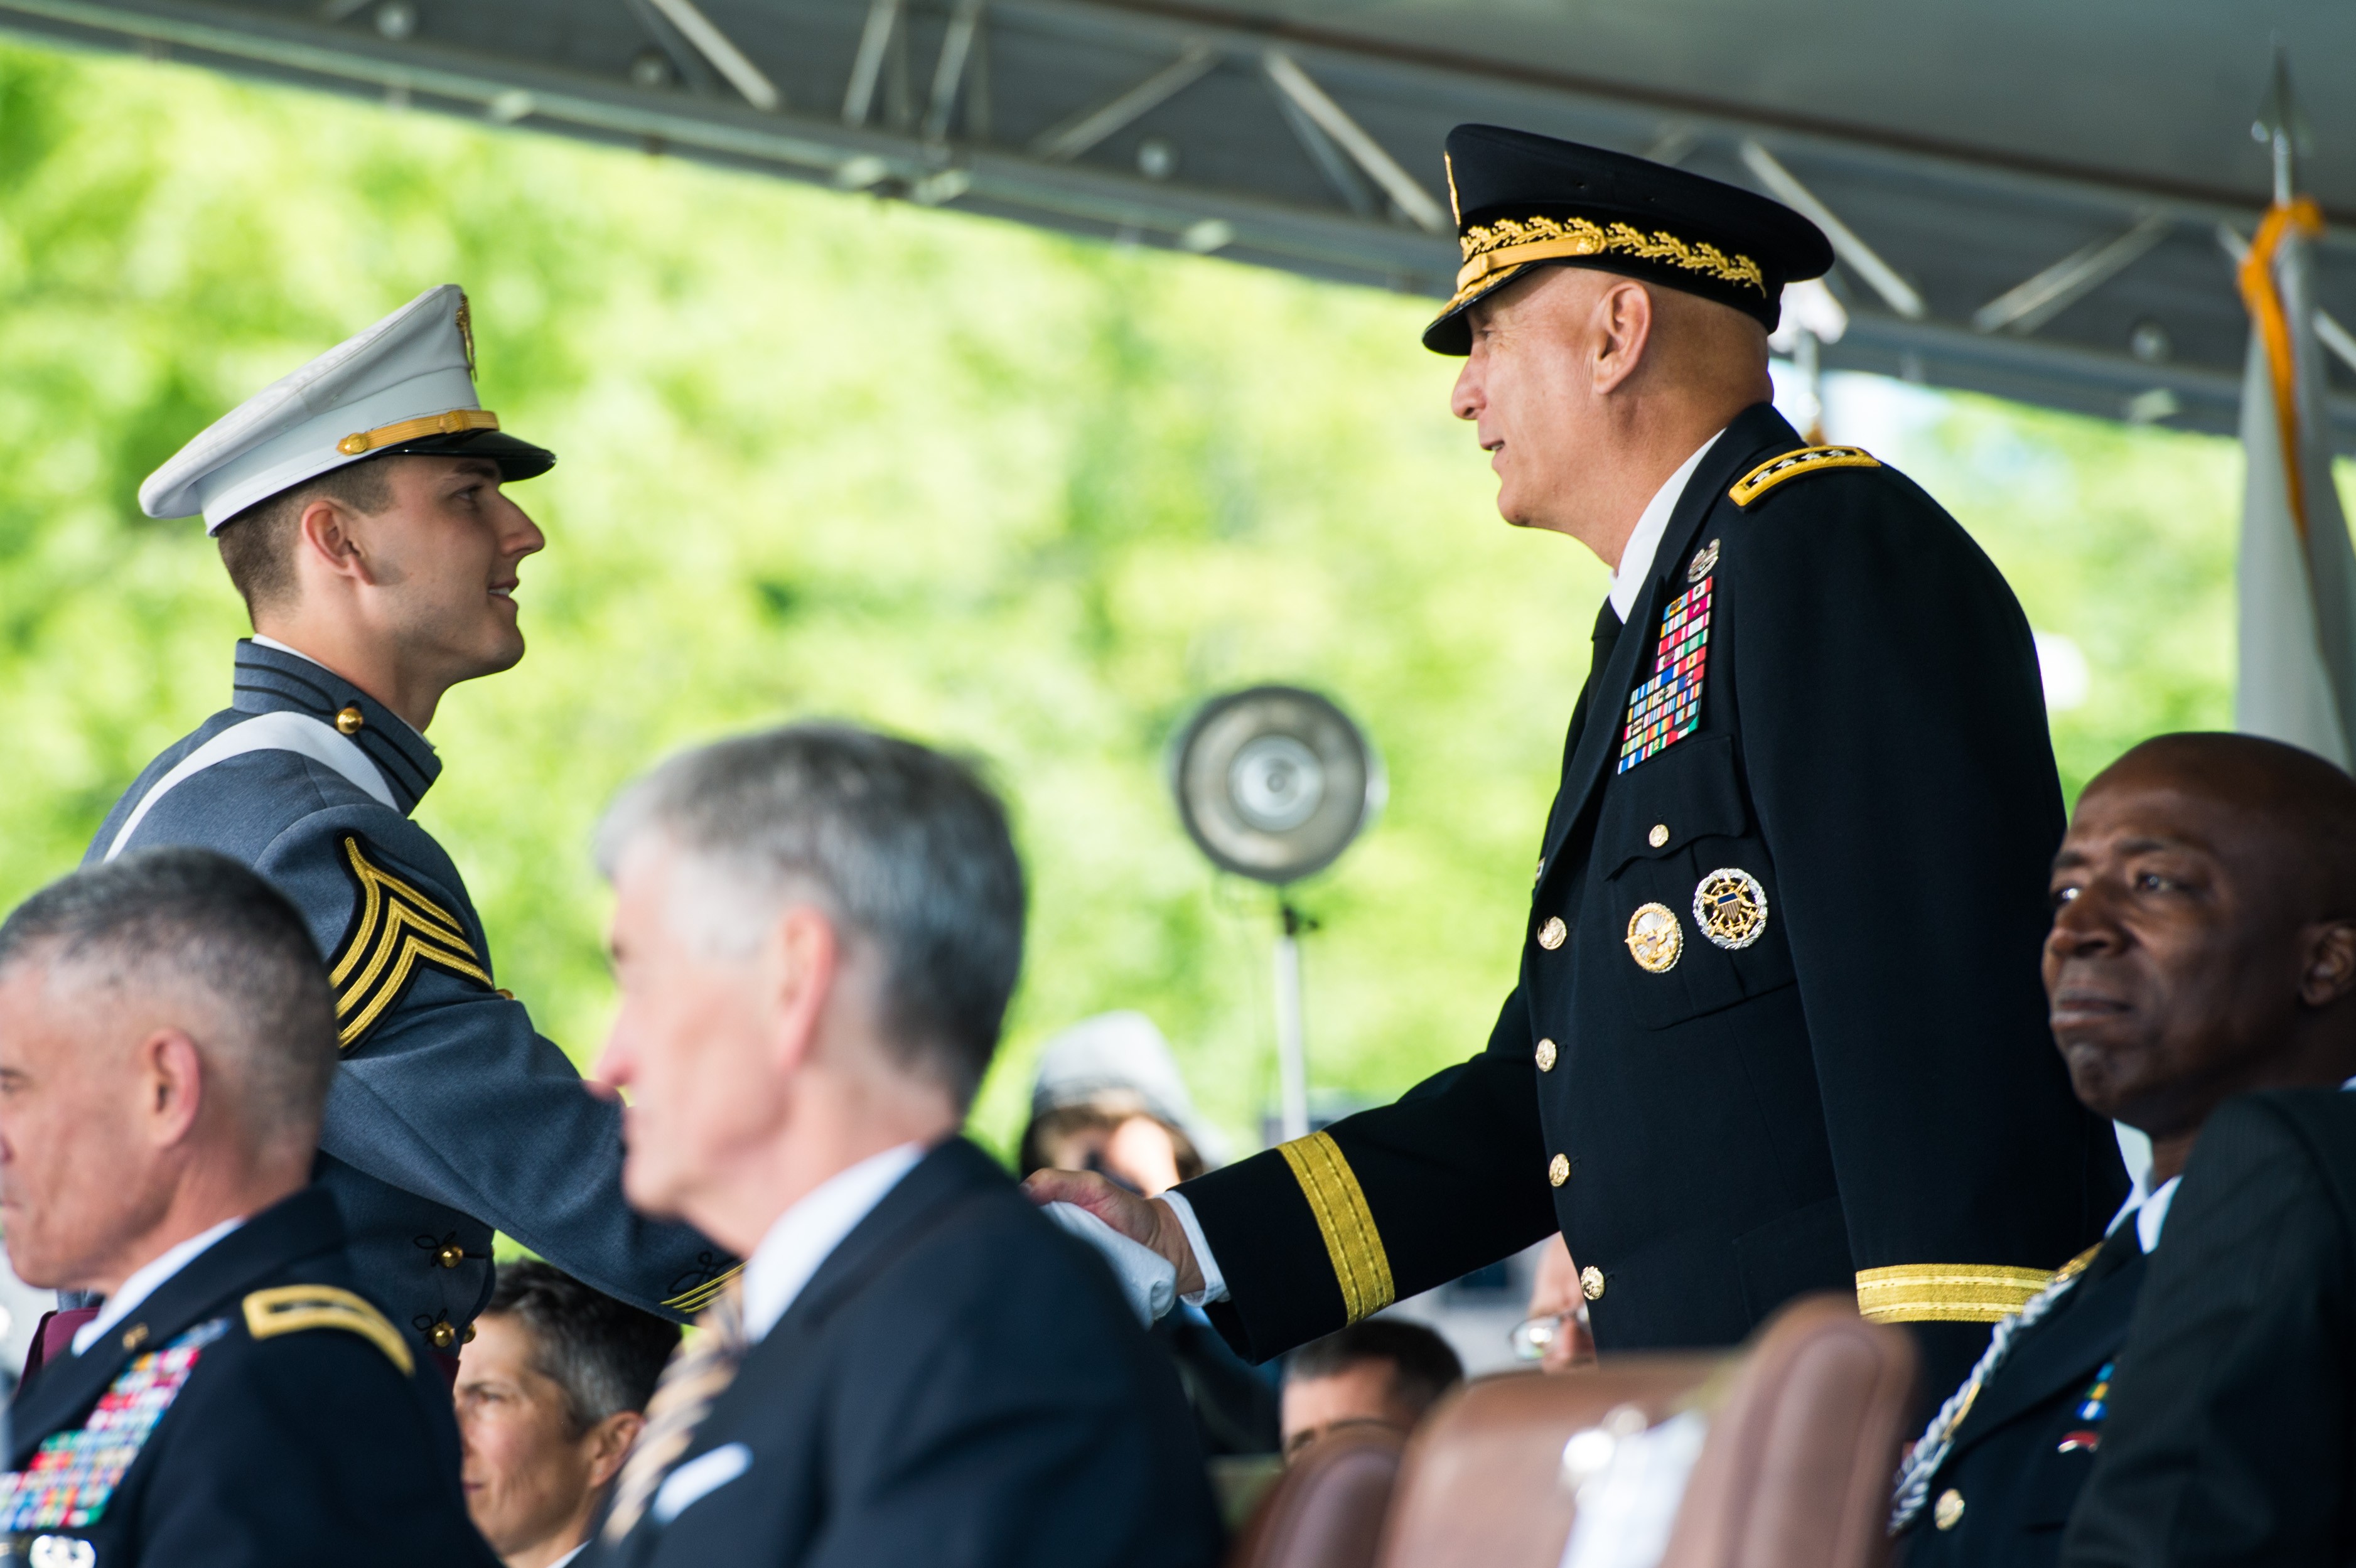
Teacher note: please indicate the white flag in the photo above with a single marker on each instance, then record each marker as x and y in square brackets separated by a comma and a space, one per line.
[2297, 680]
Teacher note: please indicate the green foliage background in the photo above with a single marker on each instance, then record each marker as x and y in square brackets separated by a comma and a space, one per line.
[1026, 496]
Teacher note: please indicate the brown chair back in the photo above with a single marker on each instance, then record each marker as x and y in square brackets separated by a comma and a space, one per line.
[1481, 1486]
[1796, 1471]
[1326, 1510]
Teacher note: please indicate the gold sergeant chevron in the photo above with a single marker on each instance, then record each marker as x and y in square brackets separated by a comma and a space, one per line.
[395, 928]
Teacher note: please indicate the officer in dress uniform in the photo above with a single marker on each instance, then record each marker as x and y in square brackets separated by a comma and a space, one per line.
[358, 507]
[1778, 1026]
[166, 1039]
[2191, 865]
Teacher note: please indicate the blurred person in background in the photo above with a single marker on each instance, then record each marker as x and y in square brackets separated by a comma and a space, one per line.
[1385, 1371]
[816, 932]
[2203, 946]
[168, 1035]
[1555, 1335]
[551, 1393]
[1110, 1098]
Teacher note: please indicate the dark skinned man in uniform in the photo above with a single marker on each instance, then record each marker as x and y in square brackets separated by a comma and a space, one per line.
[2203, 948]
[360, 510]
[1778, 1026]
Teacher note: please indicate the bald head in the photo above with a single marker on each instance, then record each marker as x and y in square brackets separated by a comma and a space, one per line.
[1590, 389]
[2204, 931]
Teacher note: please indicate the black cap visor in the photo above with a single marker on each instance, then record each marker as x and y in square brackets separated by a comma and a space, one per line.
[517, 459]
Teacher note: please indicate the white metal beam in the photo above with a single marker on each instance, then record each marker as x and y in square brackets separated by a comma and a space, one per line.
[725, 56]
[867, 65]
[2029, 305]
[1075, 135]
[1365, 151]
[1859, 257]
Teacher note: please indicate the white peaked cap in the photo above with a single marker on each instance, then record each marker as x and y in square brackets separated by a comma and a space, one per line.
[408, 380]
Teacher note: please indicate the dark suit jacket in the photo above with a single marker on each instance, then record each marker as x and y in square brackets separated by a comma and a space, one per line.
[959, 1385]
[2233, 1436]
[1867, 1084]
[2024, 1447]
[309, 1448]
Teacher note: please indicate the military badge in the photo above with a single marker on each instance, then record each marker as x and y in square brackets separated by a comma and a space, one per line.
[1704, 563]
[1656, 940]
[73, 1474]
[1667, 707]
[1729, 907]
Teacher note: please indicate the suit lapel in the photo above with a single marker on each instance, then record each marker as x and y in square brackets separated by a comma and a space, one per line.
[2085, 1330]
[1736, 452]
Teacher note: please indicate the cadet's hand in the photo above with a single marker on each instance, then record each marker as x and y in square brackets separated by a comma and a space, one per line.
[1145, 1221]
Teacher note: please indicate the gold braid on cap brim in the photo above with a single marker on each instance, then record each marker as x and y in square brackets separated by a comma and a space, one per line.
[1493, 251]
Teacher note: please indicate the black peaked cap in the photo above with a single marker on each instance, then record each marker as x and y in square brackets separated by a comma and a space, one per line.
[1524, 200]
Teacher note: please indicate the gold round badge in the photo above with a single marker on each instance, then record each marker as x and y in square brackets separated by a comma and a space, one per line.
[1545, 1056]
[1551, 934]
[1557, 1171]
[1656, 940]
[1731, 907]
[1591, 1283]
[1948, 1511]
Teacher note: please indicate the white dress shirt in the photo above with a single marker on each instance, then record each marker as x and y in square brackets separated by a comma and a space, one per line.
[805, 1236]
[1635, 567]
[146, 1281]
[1627, 587]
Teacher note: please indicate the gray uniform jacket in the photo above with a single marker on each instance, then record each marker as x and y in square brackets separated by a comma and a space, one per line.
[452, 1116]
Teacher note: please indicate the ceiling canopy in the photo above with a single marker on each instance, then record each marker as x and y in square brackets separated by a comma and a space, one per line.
[2036, 201]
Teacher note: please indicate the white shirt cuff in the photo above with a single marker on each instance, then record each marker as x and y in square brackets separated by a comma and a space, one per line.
[1214, 1283]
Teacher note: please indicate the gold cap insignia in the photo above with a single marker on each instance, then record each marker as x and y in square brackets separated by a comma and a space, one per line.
[467, 329]
[1729, 907]
[1656, 940]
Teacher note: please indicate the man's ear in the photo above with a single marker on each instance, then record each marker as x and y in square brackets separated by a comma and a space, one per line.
[324, 534]
[609, 1442]
[2330, 973]
[1623, 324]
[801, 965]
[171, 1086]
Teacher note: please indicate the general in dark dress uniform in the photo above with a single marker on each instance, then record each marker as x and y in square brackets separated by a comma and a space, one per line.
[254, 1409]
[452, 1116]
[1778, 1026]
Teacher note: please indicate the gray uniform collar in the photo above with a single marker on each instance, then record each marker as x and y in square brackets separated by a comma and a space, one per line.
[271, 681]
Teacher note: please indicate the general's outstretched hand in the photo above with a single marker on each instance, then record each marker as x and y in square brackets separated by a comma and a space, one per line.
[1147, 1221]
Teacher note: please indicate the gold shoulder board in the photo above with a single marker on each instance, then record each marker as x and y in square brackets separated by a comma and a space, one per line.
[395, 927]
[291, 1309]
[1792, 465]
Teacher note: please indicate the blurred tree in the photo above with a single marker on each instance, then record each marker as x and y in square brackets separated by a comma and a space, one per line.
[1028, 498]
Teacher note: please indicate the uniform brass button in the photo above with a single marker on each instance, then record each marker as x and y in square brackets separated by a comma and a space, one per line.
[1545, 1056]
[134, 1336]
[443, 1335]
[469, 1337]
[349, 721]
[1948, 1509]
[451, 1256]
[1559, 1169]
[1658, 836]
[1551, 934]
[1591, 1283]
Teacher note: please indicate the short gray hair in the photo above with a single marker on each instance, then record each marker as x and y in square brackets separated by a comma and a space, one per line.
[906, 847]
[199, 925]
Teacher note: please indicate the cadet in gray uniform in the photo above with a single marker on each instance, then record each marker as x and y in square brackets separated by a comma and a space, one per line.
[358, 511]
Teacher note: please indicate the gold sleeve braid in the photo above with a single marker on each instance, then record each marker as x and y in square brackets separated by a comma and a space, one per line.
[1353, 1244]
[1946, 1293]
[394, 929]
[696, 1297]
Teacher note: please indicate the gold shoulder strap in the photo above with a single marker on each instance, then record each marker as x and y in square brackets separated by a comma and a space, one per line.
[1792, 465]
[291, 1309]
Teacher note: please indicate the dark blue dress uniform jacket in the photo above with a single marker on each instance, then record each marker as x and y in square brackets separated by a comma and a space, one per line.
[1864, 1096]
[2024, 1449]
[451, 1116]
[962, 1385]
[306, 1433]
[2232, 1439]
